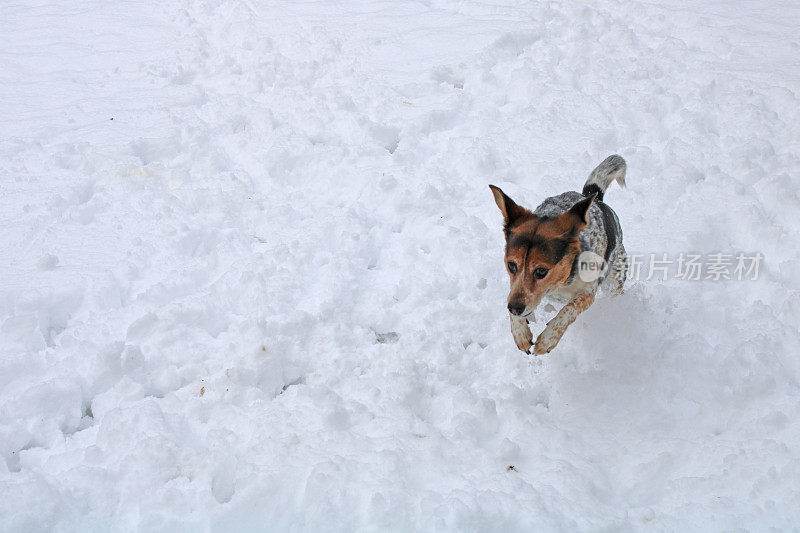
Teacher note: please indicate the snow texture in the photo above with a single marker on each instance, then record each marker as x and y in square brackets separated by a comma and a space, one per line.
[252, 279]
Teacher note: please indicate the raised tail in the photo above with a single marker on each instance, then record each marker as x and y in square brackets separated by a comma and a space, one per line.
[612, 168]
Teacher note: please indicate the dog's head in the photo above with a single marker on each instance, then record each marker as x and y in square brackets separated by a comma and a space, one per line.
[539, 251]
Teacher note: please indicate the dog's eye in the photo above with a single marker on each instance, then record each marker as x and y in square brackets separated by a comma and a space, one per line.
[539, 272]
[512, 267]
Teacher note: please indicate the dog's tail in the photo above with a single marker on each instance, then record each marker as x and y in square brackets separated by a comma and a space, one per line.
[612, 168]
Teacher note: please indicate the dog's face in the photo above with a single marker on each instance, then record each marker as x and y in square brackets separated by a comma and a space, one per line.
[539, 251]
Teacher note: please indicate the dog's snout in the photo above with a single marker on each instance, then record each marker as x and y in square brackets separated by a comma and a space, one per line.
[516, 307]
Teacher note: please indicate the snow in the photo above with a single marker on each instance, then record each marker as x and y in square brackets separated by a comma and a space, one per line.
[251, 273]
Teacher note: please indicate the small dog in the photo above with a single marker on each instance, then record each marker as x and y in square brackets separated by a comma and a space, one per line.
[566, 249]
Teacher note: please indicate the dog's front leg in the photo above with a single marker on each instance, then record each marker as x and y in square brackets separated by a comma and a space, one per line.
[548, 339]
[522, 333]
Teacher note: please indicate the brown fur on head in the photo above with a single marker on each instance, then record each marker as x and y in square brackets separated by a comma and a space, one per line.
[539, 251]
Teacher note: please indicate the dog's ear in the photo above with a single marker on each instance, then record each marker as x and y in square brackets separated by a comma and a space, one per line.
[581, 208]
[577, 217]
[511, 211]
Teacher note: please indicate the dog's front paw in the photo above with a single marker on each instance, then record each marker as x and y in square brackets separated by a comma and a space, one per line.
[548, 339]
[522, 334]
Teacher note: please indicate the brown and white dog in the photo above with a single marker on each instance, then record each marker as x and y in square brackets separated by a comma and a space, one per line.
[566, 249]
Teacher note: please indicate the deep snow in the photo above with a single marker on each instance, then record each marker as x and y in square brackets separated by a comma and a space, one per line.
[251, 272]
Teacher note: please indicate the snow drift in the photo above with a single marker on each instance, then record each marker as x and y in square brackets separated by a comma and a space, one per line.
[251, 274]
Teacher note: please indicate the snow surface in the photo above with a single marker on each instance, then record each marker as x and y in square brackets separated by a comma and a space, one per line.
[251, 273]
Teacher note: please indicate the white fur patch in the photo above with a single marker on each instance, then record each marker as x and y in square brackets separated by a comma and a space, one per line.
[521, 333]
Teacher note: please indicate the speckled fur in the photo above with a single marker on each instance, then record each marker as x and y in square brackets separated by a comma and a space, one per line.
[592, 238]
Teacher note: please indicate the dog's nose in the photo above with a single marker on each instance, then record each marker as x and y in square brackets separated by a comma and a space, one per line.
[516, 307]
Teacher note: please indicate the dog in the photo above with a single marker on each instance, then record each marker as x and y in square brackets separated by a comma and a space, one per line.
[566, 249]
